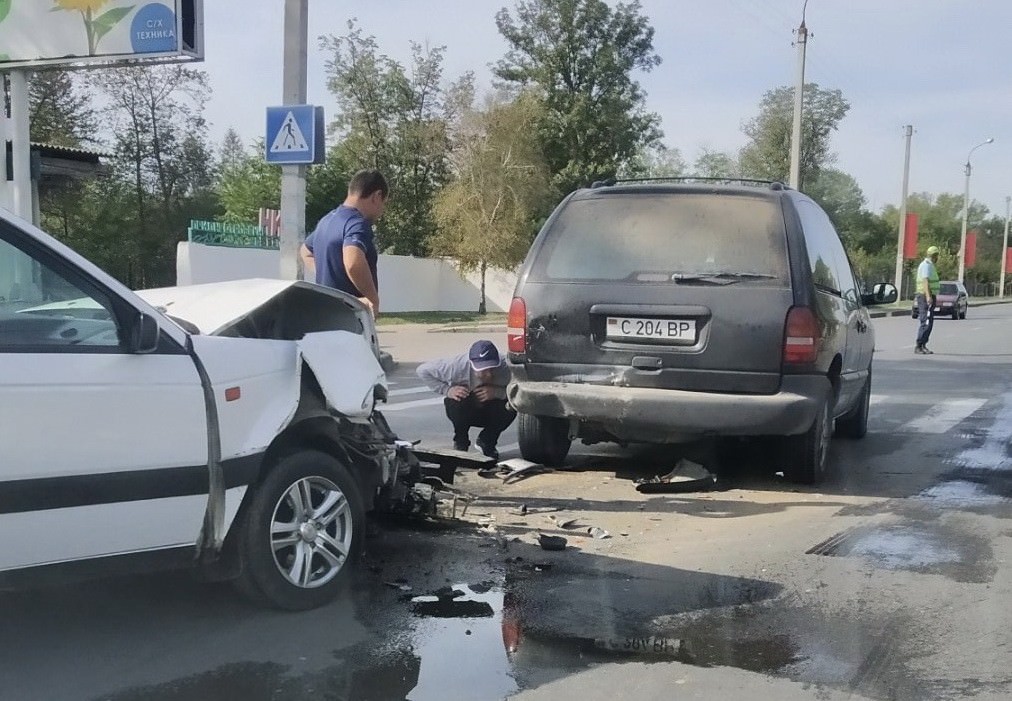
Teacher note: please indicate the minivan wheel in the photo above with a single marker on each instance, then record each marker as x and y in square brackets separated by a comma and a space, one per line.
[805, 455]
[300, 533]
[543, 439]
[855, 423]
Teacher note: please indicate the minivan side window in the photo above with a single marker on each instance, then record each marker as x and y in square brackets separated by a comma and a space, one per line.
[43, 312]
[830, 266]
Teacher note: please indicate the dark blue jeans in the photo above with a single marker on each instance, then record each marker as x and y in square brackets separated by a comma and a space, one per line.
[926, 320]
[493, 417]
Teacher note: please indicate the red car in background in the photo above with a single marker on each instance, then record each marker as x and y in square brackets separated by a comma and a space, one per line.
[952, 300]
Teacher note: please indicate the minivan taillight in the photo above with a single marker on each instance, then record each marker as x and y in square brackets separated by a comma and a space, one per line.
[516, 323]
[801, 336]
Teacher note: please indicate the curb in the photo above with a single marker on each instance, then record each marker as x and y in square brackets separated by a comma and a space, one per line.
[906, 312]
[469, 329]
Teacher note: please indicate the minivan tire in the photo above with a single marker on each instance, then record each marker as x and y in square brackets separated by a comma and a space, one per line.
[804, 455]
[272, 503]
[543, 439]
[855, 423]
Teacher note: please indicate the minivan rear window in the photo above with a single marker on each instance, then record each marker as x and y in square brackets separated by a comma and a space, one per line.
[661, 237]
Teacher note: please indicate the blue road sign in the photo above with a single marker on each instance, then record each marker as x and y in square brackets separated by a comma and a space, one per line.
[295, 135]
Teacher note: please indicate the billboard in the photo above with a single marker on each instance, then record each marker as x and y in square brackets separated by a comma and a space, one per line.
[55, 32]
[910, 237]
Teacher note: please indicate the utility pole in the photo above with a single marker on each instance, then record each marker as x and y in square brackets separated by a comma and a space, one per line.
[293, 177]
[799, 99]
[901, 237]
[1004, 252]
[19, 127]
[4, 201]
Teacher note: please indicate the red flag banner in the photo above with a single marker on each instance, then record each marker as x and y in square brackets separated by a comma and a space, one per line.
[971, 249]
[1008, 259]
[910, 237]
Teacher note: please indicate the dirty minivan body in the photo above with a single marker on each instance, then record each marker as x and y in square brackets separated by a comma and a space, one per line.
[230, 426]
[649, 312]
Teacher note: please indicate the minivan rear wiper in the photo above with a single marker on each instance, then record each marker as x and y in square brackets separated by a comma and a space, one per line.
[719, 278]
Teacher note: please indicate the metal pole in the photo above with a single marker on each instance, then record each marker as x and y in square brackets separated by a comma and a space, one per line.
[799, 93]
[21, 200]
[908, 133]
[4, 187]
[966, 208]
[293, 178]
[1004, 252]
[966, 214]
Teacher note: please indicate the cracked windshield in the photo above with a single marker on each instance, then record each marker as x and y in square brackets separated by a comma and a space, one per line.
[441, 350]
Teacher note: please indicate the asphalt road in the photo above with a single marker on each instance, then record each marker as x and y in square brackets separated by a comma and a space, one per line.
[890, 581]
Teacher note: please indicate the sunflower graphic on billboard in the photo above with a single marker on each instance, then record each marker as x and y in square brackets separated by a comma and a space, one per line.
[96, 23]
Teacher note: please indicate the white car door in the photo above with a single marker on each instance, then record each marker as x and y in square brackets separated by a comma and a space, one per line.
[104, 451]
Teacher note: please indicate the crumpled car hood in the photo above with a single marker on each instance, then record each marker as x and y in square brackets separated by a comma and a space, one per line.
[334, 334]
[217, 308]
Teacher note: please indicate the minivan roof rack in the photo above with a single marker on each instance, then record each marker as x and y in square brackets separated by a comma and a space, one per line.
[771, 184]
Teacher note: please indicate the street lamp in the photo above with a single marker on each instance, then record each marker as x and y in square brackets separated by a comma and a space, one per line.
[966, 209]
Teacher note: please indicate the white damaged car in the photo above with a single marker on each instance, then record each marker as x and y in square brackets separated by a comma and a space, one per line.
[231, 425]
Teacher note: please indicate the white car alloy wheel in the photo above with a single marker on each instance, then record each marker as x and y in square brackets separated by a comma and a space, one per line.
[311, 532]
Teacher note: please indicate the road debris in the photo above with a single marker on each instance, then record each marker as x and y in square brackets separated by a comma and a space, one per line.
[551, 542]
[517, 469]
[565, 524]
[399, 585]
[519, 510]
[598, 533]
[687, 476]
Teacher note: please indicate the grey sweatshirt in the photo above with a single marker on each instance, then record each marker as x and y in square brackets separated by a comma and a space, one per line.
[442, 374]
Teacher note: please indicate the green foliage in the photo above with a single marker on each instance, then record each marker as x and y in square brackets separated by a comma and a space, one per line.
[579, 56]
[60, 113]
[716, 164]
[768, 152]
[247, 183]
[488, 214]
[394, 118]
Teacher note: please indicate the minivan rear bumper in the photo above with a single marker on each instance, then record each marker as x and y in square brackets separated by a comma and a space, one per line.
[640, 414]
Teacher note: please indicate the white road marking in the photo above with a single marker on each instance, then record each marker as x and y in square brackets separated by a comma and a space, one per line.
[941, 418]
[403, 406]
[879, 399]
[408, 390]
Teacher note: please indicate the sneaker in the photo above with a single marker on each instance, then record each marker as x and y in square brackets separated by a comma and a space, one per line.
[462, 447]
[489, 451]
[918, 350]
[927, 351]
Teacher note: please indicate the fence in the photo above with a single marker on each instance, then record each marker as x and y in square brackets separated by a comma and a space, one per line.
[231, 235]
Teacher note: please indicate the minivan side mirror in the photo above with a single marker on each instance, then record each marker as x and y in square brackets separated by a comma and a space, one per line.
[144, 335]
[882, 293]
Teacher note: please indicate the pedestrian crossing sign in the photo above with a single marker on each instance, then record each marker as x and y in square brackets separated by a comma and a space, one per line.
[295, 135]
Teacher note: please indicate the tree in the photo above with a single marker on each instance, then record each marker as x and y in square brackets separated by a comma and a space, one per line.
[767, 155]
[654, 162]
[395, 119]
[159, 134]
[716, 164]
[60, 114]
[579, 57]
[488, 214]
[247, 183]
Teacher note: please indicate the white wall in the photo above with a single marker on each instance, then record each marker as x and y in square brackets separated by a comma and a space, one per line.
[406, 284]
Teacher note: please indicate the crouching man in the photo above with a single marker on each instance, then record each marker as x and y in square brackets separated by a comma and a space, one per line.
[474, 387]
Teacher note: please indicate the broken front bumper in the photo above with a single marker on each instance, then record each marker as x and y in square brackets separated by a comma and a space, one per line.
[640, 414]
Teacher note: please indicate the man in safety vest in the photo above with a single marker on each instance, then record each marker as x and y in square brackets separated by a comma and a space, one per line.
[927, 297]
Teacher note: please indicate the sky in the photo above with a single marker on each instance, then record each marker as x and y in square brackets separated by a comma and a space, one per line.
[942, 66]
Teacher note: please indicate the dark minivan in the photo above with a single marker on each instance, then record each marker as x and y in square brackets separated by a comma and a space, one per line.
[662, 312]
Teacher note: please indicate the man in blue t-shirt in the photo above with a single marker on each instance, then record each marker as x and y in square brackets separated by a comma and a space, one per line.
[342, 249]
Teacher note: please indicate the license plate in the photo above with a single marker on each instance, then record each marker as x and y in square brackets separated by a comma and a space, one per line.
[677, 330]
[643, 646]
